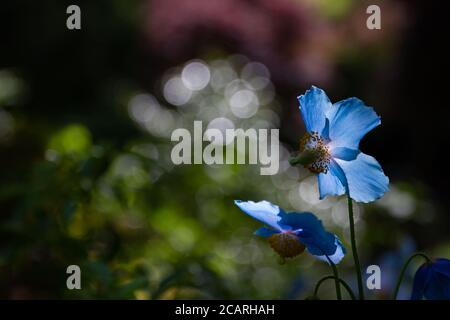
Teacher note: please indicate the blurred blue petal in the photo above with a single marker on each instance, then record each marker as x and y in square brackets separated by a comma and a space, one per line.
[421, 279]
[442, 265]
[438, 288]
[432, 281]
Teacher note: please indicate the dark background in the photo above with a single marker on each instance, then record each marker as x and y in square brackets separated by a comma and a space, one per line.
[67, 91]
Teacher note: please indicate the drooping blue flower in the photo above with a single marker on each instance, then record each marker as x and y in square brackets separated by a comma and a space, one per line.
[432, 281]
[290, 233]
[333, 134]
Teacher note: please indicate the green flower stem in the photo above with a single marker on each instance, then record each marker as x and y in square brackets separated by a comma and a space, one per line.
[354, 250]
[346, 286]
[336, 279]
[405, 266]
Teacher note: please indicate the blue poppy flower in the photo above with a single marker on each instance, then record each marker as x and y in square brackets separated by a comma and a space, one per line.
[290, 233]
[432, 281]
[333, 135]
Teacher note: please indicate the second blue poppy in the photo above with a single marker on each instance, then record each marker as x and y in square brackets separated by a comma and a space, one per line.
[289, 234]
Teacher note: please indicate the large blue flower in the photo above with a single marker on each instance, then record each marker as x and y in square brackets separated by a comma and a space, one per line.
[432, 281]
[289, 233]
[333, 135]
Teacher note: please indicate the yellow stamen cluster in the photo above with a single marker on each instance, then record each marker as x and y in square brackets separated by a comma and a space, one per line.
[286, 244]
[315, 143]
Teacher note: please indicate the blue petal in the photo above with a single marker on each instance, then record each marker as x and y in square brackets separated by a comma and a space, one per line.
[305, 221]
[313, 105]
[350, 120]
[265, 232]
[337, 256]
[421, 280]
[365, 178]
[263, 211]
[313, 235]
[439, 287]
[344, 153]
[330, 183]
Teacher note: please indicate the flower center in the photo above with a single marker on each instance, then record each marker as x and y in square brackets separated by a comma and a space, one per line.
[286, 244]
[314, 143]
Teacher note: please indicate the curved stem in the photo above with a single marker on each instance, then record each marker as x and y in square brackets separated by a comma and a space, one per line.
[336, 279]
[405, 266]
[354, 250]
[346, 286]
